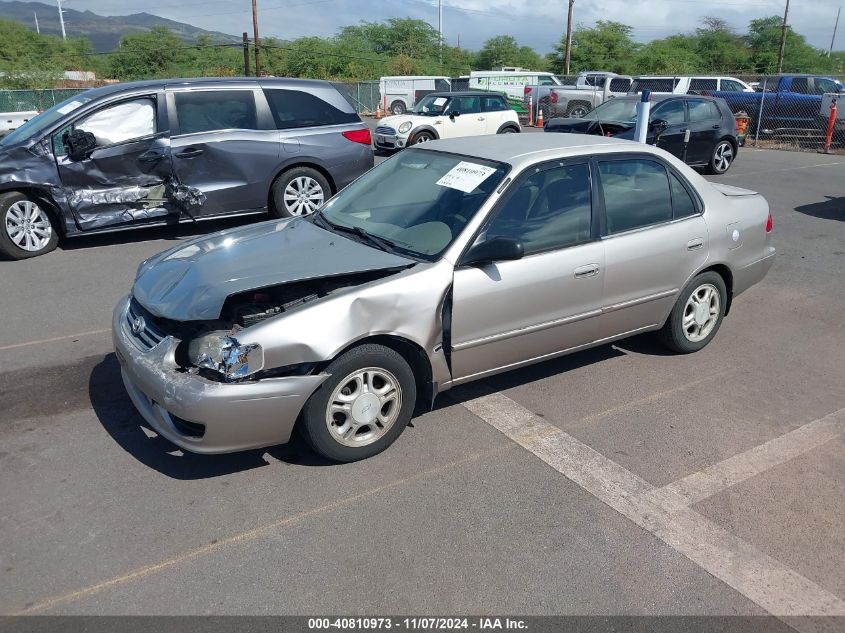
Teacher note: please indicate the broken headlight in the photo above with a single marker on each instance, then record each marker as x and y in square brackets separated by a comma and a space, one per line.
[223, 353]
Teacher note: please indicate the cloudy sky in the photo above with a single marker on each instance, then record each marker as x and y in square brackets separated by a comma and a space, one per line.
[538, 23]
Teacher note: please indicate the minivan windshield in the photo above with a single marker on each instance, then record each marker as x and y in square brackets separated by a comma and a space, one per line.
[415, 203]
[41, 122]
[431, 105]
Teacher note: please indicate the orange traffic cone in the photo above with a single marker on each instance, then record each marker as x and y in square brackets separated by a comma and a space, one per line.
[540, 122]
[378, 111]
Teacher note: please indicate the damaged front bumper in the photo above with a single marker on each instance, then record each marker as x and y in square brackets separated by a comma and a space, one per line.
[201, 415]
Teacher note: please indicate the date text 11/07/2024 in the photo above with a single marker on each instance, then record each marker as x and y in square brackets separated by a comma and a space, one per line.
[417, 623]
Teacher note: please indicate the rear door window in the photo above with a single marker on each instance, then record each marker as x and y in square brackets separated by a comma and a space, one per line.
[211, 110]
[683, 204]
[700, 111]
[618, 84]
[800, 85]
[636, 194]
[655, 85]
[295, 108]
[696, 85]
[729, 85]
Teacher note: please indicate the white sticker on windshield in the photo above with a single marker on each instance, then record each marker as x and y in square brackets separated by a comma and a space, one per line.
[69, 107]
[465, 176]
[440, 101]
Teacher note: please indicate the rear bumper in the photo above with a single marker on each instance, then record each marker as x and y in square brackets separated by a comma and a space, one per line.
[221, 417]
[746, 277]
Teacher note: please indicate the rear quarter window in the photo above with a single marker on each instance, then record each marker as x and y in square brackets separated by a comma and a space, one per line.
[296, 109]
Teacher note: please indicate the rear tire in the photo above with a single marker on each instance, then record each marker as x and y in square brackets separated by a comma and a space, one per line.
[722, 158]
[26, 228]
[577, 110]
[397, 108]
[297, 192]
[508, 130]
[363, 407]
[697, 314]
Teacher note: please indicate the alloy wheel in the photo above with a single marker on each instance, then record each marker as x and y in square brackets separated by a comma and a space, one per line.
[364, 406]
[701, 313]
[28, 226]
[723, 156]
[303, 196]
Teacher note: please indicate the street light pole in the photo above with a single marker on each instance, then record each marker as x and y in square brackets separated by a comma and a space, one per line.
[568, 52]
[783, 38]
[440, 28]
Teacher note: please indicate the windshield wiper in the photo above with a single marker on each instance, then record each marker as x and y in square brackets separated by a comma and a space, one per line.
[373, 240]
[320, 219]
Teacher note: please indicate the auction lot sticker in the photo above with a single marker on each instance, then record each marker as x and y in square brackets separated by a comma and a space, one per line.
[465, 176]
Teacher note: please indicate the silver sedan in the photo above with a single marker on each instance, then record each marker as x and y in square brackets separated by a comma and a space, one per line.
[443, 265]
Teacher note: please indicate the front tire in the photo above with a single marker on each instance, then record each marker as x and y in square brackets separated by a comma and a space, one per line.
[722, 158]
[27, 228]
[363, 407]
[697, 314]
[422, 137]
[298, 191]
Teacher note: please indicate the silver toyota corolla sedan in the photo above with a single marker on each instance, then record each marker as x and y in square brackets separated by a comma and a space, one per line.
[443, 265]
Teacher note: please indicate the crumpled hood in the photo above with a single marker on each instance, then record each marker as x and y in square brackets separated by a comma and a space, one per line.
[190, 282]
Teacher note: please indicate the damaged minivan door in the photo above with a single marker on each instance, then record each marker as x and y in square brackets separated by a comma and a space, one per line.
[115, 164]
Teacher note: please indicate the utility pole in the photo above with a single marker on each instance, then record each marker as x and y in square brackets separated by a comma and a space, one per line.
[440, 28]
[783, 38]
[61, 19]
[38, 30]
[829, 51]
[246, 54]
[255, 38]
[568, 54]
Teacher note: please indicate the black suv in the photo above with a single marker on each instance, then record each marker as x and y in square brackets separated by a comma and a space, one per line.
[699, 130]
[167, 151]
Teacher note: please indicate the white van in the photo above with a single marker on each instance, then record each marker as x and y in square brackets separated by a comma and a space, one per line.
[399, 93]
[700, 84]
[511, 83]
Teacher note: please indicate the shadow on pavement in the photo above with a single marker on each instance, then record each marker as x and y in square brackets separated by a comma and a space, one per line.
[831, 209]
[123, 423]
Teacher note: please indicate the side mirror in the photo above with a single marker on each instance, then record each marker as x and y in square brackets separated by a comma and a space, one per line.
[453, 114]
[659, 125]
[497, 249]
[79, 144]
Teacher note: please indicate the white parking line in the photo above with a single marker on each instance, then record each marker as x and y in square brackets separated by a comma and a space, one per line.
[55, 339]
[712, 480]
[760, 578]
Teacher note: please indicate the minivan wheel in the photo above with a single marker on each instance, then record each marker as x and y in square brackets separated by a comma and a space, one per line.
[397, 108]
[27, 229]
[722, 158]
[697, 314]
[299, 191]
[363, 406]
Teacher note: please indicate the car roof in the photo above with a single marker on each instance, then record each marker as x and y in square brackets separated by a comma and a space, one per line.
[664, 96]
[464, 93]
[525, 149]
[132, 86]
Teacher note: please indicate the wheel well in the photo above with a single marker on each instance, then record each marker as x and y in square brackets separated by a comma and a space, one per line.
[313, 166]
[732, 141]
[727, 276]
[416, 133]
[413, 354]
[510, 124]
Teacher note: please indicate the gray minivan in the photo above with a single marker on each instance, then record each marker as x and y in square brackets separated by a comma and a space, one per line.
[168, 151]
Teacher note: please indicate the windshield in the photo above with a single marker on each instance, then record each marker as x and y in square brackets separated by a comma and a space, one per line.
[431, 105]
[615, 110]
[41, 122]
[415, 203]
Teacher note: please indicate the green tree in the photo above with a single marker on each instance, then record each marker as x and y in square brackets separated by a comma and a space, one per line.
[156, 53]
[503, 50]
[606, 46]
[674, 55]
[719, 49]
[764, 41]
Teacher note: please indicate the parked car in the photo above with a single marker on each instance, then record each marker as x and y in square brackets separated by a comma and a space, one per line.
[447, 115]
[690, 85]
[699, 130]
[789, 102]
[399, 94]
[160, 152]
[446, 263]
[590, 89]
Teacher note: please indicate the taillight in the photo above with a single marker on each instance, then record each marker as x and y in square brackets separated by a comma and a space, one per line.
[359, 136]
[526, 90]
[769, 224]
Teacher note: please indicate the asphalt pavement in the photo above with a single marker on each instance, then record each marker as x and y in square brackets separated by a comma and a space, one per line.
[620, 480]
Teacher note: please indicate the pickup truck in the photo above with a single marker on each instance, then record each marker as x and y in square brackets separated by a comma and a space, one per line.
[574, 101]
[789, 102]
[12, 120]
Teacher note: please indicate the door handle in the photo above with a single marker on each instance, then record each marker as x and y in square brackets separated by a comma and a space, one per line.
[717, 126]
[190, 152]
[481, 118]
[151, 156]
[695, 243]
[588, 270]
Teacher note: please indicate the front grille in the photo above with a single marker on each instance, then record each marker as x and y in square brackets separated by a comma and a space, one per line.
[141, 326]
[384, 129]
